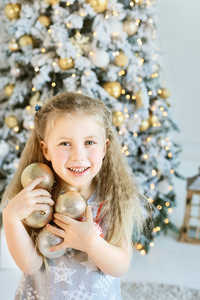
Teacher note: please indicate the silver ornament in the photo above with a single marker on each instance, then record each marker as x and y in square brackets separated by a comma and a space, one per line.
[39, 218]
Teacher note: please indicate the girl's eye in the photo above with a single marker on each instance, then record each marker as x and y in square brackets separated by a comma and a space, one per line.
[65, 144]
[89, 143]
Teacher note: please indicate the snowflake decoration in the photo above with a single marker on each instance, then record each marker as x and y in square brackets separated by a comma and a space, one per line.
[80, 42]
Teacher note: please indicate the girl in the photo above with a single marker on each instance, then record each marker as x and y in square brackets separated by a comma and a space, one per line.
[73, 135]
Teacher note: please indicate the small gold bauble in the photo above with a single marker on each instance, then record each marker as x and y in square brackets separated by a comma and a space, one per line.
[145, 125]
[98, 5]
[164, 93]
[66, 63]
[12, 11]
[8, 89]
[71, 204]
[39, 218]
[139, 99]
[11, 121]
[153, 119]
[44, 20]
[121, 59]
[25, 40]
[13, 46]
[118, 118]
[137, 2]
[36, 170]
[130, 27]
[52, 2]
[113, 88]
[34, 99]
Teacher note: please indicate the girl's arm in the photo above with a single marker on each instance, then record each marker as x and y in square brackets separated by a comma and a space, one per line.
[20, 244]
[112, 260]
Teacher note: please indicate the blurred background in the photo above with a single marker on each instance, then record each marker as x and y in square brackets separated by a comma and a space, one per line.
[169, 263]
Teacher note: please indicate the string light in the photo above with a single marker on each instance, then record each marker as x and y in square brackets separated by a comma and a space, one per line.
[166, 221]
[151, 244]
[139, 246]
[43, 50]
[131, 4]
[33, 89]
[159, 207]
[28, 108]
[73, 75]
[125, 110]
[68, 25]
[170, 210]
[128, 97]
[140, 79]
[172, 171]
[167, 204]
[59, 44]
[143, 252]
[145, 156]
[139, 41]
[170, 154]
[94, 33]
[17, 148]
[150, 93]
[154, 172]
[135, 116]
[126, 116]
[164, 114]
[135, 134]
[53, 84]
[123, 91]
[49, 30]
[149, 139]
[68, 3]
[150, 200]
[36, 69]
[121, 73]
[115, 13]
[54, 63]
[107, 17]
[152, 186]
[16, 128]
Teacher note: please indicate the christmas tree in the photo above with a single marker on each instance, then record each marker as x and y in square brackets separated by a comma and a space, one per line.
[106, 49]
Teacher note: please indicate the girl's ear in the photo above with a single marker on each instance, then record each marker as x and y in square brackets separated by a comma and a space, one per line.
[45, 150]
[106, 147]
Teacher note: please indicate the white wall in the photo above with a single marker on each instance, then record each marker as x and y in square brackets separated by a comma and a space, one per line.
[179, 35]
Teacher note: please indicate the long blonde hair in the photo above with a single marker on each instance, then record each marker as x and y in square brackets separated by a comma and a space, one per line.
[114, 183]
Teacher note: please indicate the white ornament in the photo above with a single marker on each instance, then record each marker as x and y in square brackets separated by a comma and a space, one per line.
[116, 27]
[163, 186]
[4, 148]
[100, 58]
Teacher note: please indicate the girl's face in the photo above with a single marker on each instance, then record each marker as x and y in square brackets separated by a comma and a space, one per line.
[76, 146]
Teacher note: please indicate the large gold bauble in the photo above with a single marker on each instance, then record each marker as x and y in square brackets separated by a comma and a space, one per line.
[121, 59]
[118, 118]
[39, 218]
[8, 89]
[71, 204]
[113, 88]
[25, 40]
[98, 5]
[44, 20]
[130, 27]
[36, 170]
[45, 240]
[164, 93]
[52, 2]
[66, 63]
[12, 11]
[13, 45]
[11, 121]
[145, 125]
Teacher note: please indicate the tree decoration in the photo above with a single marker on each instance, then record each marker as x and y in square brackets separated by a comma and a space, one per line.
[66, 63]
[154, 120]
[121, 59]
[44, 20]
[13, 45]
[25, 40]
[98, 5]
[164, 93]
[113, 88]
[12, 11]
[8, 89]
[145, 125]
[80, 42]
[139, 99]
[52, 2]
[130, 27]
[11, 121]
[100, 58]
[118, 118]
[138, 2]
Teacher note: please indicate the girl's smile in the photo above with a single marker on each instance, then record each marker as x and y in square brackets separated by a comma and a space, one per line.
[76, 146]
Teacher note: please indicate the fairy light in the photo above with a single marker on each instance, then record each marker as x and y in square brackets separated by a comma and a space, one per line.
[53, 84]
[68, 25]
[17, 148]
[125, 110]
[16, 165]
[133, 97]
[166, 139]
[107, 17]
[142, 252]
[115, 13]
[152, 186]
[158, 228]
[28, 108]
[115, 53]
[167, 204]
[33, 89]
[150, 200]
[123, 91]
[150, 93]
[131, 4]
[121, 73]
[172, 171]
[94, 33]
[79, 92]
[141, 62]
[73, 75]
[154, 230]
[139, 41]
[149, 139]
[91, 53]
[170, 210]
[151, 244]
[159, 91]
[128, 97]
[161, 108]
[43, 50]
[54, 63]
[170, 154]
[150, 21]
[49, 30]
[155, 57]
[171, 188]
[135, 134]
[139, 246]
[145, 156]
[153, 172]
[59, 44]
[31, 126]
[126, 116]
[140, 79]
[159, 124]
[164, 114]
[167, 148]
[159, 207]
[36, 69]
[16, 128]
[68, 3]
[166, 221]
[78, 55]
[169, 143]
[127, 153]
[57, 11]
[120, 132]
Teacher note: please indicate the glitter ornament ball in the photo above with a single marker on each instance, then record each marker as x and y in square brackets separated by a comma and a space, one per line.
[71, 204]
[100, 58]
[113, 88]
[121, 59]
[118, 118]
[52, 2]
[45, 240]
[164, 93]
[66, 63]
[12, 11]
[8, 89]
[13, 45]
[36, 170]
[145, 125]
[25, 40]
[39, 218]
[98, 5]
[130, 27]
[11, 121]
[44, 20]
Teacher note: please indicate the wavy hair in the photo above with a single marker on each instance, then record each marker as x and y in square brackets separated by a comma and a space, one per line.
[114, 182]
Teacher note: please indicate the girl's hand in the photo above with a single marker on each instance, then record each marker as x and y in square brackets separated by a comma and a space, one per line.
[29, 200]
[76, 234]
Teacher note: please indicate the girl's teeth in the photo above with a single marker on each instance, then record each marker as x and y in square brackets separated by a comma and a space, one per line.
[78, 170]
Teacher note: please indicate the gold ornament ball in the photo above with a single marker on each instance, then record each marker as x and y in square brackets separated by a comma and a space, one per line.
[118, 118]
[164, 94]
[25, 40]
[52, 2]
[66, 63]
[98, 5]
[130, 27]
[8, 90]
[39, 218]
[11, 121]
[145, 125]
[34, 99]
[12, 11]
[153, 119]
[13, 46]
[121, 60]
[71, 204]
[138, 2]
[139, 99]
[45, 240]
[44, 20]
[36, 170]
[113, 88]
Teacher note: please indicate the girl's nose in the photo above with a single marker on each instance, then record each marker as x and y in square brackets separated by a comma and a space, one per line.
[77, 154]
